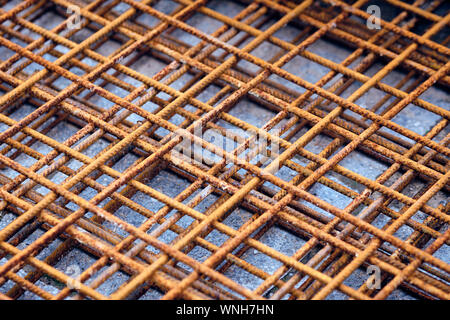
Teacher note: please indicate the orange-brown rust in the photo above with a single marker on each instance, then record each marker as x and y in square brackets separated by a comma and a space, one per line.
[337, 241]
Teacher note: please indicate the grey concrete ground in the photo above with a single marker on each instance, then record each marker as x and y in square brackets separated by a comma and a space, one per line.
[414, 118]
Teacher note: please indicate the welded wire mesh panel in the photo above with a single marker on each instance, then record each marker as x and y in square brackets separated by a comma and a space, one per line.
[264, 149]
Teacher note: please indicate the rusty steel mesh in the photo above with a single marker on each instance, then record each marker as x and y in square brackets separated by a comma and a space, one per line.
[99, 202]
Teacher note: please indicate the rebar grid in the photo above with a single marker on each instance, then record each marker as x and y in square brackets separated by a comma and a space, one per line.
[100, 202]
